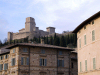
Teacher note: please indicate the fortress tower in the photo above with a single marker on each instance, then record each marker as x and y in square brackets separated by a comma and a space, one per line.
[29, 24]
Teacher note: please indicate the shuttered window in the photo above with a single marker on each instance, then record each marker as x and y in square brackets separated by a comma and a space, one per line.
[84, 39]
[6, 56]
[60, 52]
[93, 35]
[5, 66]
[85, 65]
[24, 61]
[80, 67]
[60, 63]
[94, 63]
[25, 50]
[80, 43]
[1, 67]
[13, 61]
[43, 62]
[43, 51]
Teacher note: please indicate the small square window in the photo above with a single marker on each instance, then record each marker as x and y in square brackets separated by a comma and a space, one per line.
[43, 51]
[89, 22]
[92, 22]
[25, 50]
[84, 27]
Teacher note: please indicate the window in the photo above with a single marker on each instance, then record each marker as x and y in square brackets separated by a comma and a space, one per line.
[92, 22]
[13, 50]
[93, 35]
[13, 61]
[5, 66]
[85, 65]
[1, 57]
[6, 56]
[84, 27]
[24, 61]
[84, 39]
[89, 22]
[43, 62]
[43, 51]
[1, 67]
[80, 67]
[60, 63]
[94, 63]
[72, 66]
[80, 43]
[25, 50]
[60, 52]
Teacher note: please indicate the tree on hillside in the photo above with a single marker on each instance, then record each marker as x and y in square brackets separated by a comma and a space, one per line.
[62, 41]
[51, 40]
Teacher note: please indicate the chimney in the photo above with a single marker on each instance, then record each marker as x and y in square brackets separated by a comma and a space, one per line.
[42, 41]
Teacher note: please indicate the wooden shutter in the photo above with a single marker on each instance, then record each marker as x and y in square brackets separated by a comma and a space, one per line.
[21, 60]
[0, 67]
[85, 65]
[62, 63]
[80, 43]
[4, 66]
[94, 64]
[45, 62]
[40, 62]
[93, 35]
[58, 63]
[84, 39]
[14, 60]
[27, 61]
[80, 67]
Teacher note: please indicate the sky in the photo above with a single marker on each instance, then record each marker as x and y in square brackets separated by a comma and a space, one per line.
[62, 14]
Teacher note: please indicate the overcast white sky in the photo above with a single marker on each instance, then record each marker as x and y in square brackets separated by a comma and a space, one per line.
[62, 14]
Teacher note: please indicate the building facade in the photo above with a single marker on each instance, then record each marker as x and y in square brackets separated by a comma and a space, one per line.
[88, 42]
[30, 31]
[38, 59]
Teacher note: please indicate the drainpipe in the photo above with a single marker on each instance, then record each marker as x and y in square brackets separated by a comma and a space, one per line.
[29, 61]
[69, 63]
[57, 62]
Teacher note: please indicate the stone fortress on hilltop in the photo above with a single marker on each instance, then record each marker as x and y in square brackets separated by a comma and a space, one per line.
[30, 31]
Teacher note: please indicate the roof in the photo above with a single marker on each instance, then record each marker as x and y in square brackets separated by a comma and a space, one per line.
[39, 45]
[86, 21]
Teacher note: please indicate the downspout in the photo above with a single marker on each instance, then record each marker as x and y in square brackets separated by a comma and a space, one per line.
[29, 61]
[57, 62]
[69, 63]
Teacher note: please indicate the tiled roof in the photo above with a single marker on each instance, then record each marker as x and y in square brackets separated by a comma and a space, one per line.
[39, 45]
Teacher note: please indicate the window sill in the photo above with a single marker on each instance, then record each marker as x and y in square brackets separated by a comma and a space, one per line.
[43, 55]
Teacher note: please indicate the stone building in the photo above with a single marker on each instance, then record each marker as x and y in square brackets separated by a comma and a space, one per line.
[30, 31]
[88, 42]
[38, 59]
